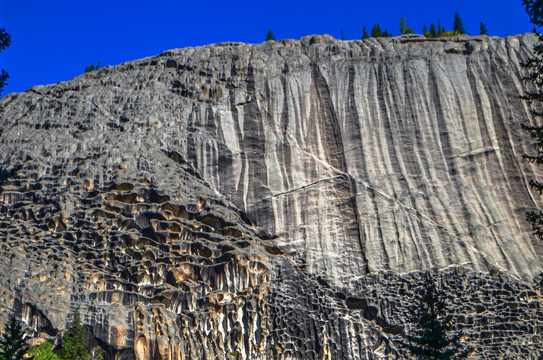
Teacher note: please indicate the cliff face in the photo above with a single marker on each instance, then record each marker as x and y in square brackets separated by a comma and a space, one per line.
[275, 200]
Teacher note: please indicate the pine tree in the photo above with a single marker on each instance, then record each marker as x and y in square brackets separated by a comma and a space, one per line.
[386, 33]
[440, 29]
[5, 41]
[376, 31]
[364, 33]
[13, 345]
[269, 35]
[432, 339]
[342, 34]
[402, 25]
[458, 26]
[433, 31]
[482, 28]
[534, 8]
[74, 345]
[404, 29]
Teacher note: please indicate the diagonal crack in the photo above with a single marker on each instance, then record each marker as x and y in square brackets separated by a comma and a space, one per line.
[301, 187]
[409, 209]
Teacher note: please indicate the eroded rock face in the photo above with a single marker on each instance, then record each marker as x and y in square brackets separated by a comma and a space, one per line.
[274, 201]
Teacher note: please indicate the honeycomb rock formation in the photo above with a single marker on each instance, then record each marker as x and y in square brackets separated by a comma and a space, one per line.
[275, 201]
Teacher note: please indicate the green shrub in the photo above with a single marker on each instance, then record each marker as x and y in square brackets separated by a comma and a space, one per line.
[43, 352]
[92, 68]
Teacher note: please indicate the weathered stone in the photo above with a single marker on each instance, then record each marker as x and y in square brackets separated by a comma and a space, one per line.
[275, 201]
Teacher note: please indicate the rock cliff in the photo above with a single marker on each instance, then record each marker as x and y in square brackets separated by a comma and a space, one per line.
[275, 201]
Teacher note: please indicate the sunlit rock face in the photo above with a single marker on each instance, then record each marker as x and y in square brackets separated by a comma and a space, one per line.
[275, 201]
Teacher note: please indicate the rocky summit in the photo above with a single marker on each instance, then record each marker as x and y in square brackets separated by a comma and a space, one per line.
[275, 201]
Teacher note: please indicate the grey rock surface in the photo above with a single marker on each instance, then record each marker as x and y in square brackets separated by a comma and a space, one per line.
[275, 201]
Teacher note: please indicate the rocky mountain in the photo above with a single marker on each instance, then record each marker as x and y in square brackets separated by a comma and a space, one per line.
[275, 201]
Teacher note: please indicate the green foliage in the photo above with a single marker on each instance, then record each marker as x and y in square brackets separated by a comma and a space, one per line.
[43, 352]
[364, 33]
[342, 34]
[440, 29]
[74, 344]
[436, 31]
[482, 29]
[425, 31]
[534, 67]
[433, 31]
[96, 353]
[270, 35]
[458, 25]
[534, 8]
[5, 41]
[402, 25]
[432, 339]
[13, 345]
[376, 31]
[92, 68]
[404, 29]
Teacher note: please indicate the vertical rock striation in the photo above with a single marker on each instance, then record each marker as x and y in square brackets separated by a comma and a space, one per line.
[275, 201]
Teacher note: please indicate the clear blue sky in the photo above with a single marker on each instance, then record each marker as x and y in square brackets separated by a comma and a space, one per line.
[54, 40]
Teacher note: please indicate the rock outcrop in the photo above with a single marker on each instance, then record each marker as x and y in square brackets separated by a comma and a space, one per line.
[275, 201]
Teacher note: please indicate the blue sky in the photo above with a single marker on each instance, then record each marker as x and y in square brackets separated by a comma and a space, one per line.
[54, 40]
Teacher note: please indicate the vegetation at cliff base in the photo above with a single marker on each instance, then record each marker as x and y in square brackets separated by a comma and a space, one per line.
[13, 344]
[44, 351]
[433, 337]
[74, 342]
